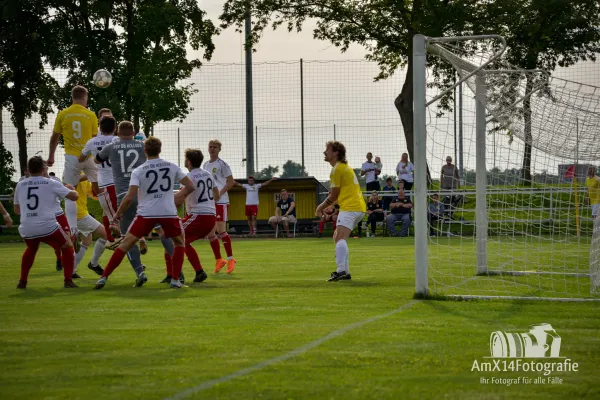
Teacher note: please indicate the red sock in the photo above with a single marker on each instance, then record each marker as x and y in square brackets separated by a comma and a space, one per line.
[216, 247]
[168, 264]
[68, 262]
[192, 257]
[27, 262]
[334, 225]
[178, 256]
[57, 254]
[106, 224]
[114, 262]
[227, 244]
[321, 226]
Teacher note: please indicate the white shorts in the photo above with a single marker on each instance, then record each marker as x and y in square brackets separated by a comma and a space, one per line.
[87, 225]
[73, 170]
[349, 219]
[595, 209]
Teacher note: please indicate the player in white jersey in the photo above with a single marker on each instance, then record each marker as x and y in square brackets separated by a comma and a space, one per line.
[223, 178]
[61, 218]
[200, 221]
[104, 188]
[38, 196]
[252, 200]
[152, 183]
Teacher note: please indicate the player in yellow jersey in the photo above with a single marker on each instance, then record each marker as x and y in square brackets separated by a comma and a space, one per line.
[593, 184]
[76, 124]
[345, 191]
[87, 225]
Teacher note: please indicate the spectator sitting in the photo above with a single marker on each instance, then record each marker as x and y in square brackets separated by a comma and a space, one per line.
[285, 213]
[389, 187]
[331, 215]
[370, 170]
[374, 212]
[405, 172]
[435, 212]
[400, 211]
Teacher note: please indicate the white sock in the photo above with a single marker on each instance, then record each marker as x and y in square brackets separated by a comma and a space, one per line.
[98, 250]
[341, 255]
[71, 211]
[347, 261]
[79, 256]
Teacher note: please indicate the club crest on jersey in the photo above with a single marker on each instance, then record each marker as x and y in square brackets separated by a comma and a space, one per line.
[214, 171]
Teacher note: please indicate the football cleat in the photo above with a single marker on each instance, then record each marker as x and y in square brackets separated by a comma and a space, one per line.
[143, 247]
[70, 284]
[231, 265]
[181, 278]
[21, 285]
[100, 283]
[141, 279]
[176, 284]
[113, 245]
[219, 265]
[200, 276]
[339, 276]
[166, 280]
[58, 265]
[75, 276]
[97, 269]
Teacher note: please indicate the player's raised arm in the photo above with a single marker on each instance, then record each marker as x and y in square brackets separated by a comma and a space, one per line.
[269, 181]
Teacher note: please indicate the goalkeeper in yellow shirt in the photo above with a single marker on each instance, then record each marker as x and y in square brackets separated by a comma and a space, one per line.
[593, 184]
[345, 191]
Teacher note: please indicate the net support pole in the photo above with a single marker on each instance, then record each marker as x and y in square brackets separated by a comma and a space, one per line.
[419, 141]
[480, 175]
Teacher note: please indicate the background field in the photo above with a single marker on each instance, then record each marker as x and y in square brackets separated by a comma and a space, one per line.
[153, 342]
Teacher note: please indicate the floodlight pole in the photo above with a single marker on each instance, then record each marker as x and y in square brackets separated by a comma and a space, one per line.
[420, 189]
[249, 99]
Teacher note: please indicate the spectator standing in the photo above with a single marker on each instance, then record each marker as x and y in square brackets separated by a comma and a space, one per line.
[405, 170]
[252, 200]
[387, 200]
[370, 172]
[449, 180]
[399, 211]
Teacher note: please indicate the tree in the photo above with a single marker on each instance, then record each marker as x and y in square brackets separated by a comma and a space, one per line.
[267, 173]
[385, 28]
[292, 169]
[544, 34]
[6, 170]
[143, 43]
[25, 86]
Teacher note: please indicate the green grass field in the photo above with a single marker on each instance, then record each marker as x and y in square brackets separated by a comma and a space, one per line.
[272, 330]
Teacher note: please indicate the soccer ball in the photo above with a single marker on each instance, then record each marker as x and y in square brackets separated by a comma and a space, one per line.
[102, 78]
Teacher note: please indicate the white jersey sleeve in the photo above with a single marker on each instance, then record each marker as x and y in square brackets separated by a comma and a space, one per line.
[93, 147]
[220, 171]
[156, 180]
[37, 197]
[201, 200]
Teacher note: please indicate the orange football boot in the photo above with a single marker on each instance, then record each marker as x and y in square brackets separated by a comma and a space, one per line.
[219, 265]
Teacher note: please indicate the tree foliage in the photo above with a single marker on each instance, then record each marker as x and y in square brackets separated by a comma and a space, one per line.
[143, 44]
[7, 170]
[293, 169]
[25, 87]
[267, 173]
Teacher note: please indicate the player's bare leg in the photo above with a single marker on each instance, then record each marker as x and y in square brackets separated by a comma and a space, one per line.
[178, 256]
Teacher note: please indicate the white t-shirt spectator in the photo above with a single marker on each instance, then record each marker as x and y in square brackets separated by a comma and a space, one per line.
[220, 171]
[156, 180]
[370, 168]
[405, 171]
[251, 193]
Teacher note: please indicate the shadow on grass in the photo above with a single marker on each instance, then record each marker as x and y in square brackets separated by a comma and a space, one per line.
[43, 292]
[443, 307]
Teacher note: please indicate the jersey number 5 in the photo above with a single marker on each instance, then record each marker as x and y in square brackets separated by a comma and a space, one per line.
[31, 195]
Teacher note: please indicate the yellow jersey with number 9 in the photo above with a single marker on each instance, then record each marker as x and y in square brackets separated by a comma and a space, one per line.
[77, 125]
[350, 198]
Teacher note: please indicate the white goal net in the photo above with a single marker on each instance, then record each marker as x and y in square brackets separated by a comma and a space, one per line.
[512, 222]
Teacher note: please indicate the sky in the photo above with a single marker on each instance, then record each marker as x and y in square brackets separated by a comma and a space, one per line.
[341, 101]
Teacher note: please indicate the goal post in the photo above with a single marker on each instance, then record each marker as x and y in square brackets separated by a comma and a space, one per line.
[511, 231]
